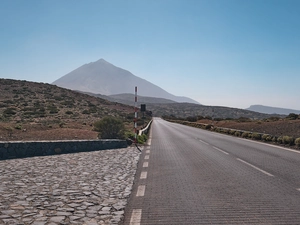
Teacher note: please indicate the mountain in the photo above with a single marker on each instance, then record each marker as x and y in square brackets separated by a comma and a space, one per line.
[272, 110]
[102, 77]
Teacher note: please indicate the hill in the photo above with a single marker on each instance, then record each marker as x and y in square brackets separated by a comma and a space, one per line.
[164, 107]
[102, 77]
[272, 110]
[128, 99]
[184, 110]
[38, 111]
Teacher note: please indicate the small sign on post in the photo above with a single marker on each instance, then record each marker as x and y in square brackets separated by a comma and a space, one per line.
[143, 107]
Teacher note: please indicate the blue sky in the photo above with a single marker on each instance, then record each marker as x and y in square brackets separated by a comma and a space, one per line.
[232, 53]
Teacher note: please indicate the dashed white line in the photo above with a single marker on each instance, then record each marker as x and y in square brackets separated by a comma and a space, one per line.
[136, 217]
[203, 142]
[146, 156]
[255, 167]
[141, 191]
[143, 175]
[220, 150]
[145, 164]
[147, 151]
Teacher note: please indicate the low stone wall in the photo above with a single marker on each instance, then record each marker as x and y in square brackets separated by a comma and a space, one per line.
[19, 149]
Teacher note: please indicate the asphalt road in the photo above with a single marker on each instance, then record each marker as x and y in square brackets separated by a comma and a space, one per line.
[192, 176]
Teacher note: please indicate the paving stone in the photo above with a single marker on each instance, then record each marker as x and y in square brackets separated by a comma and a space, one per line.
[4, 216]
[57, 219]
[80, 188]
[39, 223]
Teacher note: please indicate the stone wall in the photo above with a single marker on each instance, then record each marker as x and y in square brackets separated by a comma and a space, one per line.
[19, 149]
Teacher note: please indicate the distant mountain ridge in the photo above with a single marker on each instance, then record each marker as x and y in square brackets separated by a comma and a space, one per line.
[128, 99]
[272, 110]
[101, 77]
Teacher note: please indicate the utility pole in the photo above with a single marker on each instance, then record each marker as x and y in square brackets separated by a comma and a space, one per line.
[135, 116]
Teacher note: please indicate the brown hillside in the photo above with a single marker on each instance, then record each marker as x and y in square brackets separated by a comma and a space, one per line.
[38, 111]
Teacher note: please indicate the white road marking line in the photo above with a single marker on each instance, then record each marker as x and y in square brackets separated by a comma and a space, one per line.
[149, 141]
[141, 191]
[220, 150]
[255, 167]
[136, 217]
[145, 164]
[143, 175]
[146, 156]
[147, 151]
[203, 142]
[298, 189]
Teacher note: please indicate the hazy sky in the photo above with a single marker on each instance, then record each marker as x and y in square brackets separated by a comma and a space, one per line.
[219, 52]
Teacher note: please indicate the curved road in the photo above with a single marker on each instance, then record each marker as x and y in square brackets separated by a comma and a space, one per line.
[192, 176]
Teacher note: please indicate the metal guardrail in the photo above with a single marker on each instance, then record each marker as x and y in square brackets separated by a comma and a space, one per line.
[145, 129]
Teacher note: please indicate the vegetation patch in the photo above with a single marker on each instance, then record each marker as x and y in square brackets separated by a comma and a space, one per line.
[240, 128]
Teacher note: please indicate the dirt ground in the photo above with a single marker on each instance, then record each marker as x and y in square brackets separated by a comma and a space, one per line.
[276, 128]
[38, 132]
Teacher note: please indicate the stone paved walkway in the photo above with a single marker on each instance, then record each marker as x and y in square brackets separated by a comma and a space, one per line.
[87, 188]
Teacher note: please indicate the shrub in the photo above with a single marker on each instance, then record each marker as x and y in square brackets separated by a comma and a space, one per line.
[85, 112]
[208, 126]
[9, 112]
[18, 127]
[292, 116]
[232, 132]
[225, 131]
[200, 117]
[245, 135]
[288, 140]
[274, 139]
[280, 140]
[269, 138]
[256, 136]
[237, 133]
[69, 112]
[53, 109]
[110, 128]
[129, 134]
[273, 118]
[297, 141]
[266, 137]
[192, 119]
[141, 139]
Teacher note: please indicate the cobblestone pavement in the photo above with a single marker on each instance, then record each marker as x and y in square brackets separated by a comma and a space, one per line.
[87, 188]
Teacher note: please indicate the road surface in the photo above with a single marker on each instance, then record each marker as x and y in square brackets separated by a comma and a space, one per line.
[192, 176]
